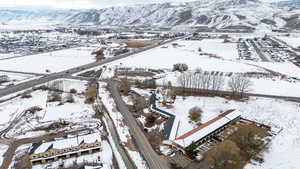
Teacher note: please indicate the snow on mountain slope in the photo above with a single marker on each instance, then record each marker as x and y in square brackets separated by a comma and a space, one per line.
[214, 13]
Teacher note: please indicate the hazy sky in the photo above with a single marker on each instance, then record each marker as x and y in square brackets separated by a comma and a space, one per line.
[77, 3]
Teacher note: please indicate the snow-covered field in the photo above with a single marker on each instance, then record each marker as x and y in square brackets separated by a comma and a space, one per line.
[284, 150]
[15, 78]
[226, 51]
[293, 41]
[53, 61]
[286, 68]
[77, 112]
[268, 86]
[13, 26]
[12, 108]
[187, 52]
[275, 87]
[8, 55]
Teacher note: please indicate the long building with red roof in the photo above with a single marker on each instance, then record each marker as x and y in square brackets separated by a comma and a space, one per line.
[207, 129]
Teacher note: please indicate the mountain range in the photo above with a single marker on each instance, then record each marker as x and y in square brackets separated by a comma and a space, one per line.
[213, 13]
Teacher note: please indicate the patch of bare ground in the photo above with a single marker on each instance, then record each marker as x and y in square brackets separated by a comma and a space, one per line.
[134, 73]
[115, 163]
[53, 126]
[81, 165]
[130, 144]
[239, 148]
[155, 139]
[22, 162]
[136, 44]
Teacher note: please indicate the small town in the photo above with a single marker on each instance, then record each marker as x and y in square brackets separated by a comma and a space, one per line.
[164, 84]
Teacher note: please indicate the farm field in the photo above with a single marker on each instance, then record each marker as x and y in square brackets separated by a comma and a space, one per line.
[187, 52]
[53, 61]
[293, 41]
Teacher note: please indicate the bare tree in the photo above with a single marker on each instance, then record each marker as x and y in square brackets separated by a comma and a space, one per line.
[182, 80]
[239, 84]
[201, 81]
[125, 86]
[217, 82]
[56, 85]
[205, 81]
[195, 114]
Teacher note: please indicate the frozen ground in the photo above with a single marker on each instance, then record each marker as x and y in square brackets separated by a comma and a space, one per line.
[12, 108]
[13, 26]
[53, 61]
[77, 112]
[284, 150]
[15, 78]
[68, 84]
[293, 41]
[187, 52]
[217, 46]
[9, 55]
[286, 68]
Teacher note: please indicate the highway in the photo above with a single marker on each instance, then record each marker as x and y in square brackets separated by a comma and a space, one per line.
[63, 74]
[153, 160]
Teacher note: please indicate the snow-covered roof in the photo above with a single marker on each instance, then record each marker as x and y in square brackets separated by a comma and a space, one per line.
[207, 128]
[68, 142]
[174, 128]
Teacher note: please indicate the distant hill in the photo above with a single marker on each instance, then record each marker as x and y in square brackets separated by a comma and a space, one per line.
[213, 13]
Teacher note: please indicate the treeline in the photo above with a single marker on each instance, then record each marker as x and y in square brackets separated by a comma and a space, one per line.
[200, 81]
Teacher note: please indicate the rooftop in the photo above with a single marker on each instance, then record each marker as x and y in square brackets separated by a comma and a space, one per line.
[207, 128]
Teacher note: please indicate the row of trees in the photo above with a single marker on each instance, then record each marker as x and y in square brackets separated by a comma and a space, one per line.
[199, 80]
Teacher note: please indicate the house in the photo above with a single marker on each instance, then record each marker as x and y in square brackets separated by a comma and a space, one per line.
[67, 147]
[208, 129]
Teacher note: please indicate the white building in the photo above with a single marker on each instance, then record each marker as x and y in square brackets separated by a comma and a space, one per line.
[208, 129]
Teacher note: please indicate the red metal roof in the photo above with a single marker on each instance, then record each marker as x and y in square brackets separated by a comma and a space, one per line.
[195, 130]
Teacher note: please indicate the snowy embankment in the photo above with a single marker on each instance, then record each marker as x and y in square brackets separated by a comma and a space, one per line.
[122, 129]
[52, 61]
[284, 150]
